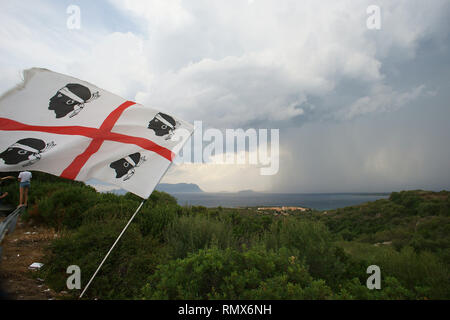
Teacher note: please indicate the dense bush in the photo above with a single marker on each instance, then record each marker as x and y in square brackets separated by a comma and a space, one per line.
[313, 244]
[247, 224]
[214, 273]
[64, 207]
[420, 219]
[391, 290]
[189, 234]
[124, 271]
[155, 220]
[107, 209]
[423, 274]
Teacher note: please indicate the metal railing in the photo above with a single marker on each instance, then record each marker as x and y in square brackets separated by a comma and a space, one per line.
[8, 225]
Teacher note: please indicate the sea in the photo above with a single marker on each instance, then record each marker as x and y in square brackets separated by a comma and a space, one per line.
[318, 201]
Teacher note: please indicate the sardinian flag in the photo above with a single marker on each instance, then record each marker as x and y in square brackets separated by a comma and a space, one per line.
[71, 128]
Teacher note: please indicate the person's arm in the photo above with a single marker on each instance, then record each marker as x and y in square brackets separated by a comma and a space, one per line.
[8, 177]
[3, 195]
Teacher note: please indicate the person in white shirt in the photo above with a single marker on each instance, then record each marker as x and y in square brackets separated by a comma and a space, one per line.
[24, 178]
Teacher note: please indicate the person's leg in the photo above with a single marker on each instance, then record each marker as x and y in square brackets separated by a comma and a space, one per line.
[21, 196]
[26, 196]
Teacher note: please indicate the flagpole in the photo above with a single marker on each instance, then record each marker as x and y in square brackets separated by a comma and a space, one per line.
[117, 240]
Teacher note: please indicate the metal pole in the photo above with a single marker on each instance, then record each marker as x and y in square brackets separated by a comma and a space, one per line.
[117, 240]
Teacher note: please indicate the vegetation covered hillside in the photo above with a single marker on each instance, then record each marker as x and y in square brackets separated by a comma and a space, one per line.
[175, 252]
[416, 219]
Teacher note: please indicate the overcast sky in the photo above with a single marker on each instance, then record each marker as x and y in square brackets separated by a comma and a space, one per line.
[358, 109]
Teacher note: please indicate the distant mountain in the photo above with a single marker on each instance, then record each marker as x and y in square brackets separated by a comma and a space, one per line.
[247, 191]
[178, 187]
[166, 187]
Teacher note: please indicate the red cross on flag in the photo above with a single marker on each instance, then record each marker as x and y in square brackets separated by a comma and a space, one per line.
[70, 128]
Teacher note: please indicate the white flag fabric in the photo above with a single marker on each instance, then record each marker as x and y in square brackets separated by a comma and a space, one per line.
[70, 128]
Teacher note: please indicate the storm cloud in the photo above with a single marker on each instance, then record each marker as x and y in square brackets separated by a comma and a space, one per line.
[357, 109]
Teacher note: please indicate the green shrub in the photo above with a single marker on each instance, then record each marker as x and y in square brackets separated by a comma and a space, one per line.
[408, 199]
[161, 198]
[246, 224]
[391, 289]
[124, 271]
[120, 208]
[188, 234]
[315, 247]
[422, 272]
[64, 207]
[155, 220]
[256, 273]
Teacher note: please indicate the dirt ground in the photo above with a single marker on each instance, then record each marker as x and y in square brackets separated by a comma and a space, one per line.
[19, 250]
